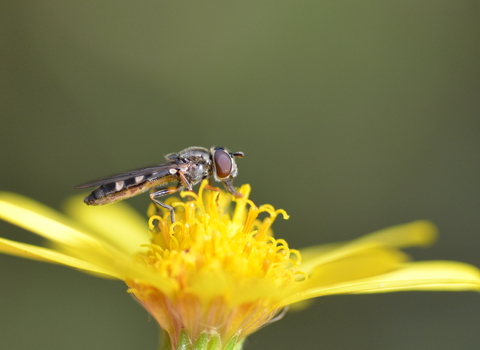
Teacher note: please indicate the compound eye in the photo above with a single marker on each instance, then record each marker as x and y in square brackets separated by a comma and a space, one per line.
[223, 164]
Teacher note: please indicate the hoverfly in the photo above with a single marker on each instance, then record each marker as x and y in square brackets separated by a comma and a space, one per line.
[187, 167]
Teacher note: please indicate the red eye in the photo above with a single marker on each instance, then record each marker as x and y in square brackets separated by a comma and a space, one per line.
[223, 164]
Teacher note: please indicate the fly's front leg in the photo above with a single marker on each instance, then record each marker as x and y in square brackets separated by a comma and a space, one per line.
[212, 188]
[229, 187]
[165, 192]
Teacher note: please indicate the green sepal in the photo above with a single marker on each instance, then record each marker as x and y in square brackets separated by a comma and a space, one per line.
[202, 342]
[205, 341]
[233, 344]
[184, 342]
[215, 342]
[165, 343]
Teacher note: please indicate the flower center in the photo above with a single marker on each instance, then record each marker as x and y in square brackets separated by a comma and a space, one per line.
[217, 260]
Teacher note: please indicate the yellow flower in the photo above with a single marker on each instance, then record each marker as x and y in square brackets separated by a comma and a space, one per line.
[217, 275]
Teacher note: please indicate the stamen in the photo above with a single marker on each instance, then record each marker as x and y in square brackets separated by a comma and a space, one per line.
[262, 233]
[251, 216]
[283, 212]
[174, 225]
[300, 276]
[151, 225]
[184, 194]
[298, 259]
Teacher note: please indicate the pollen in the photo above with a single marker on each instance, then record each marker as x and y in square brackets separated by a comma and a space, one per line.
[225, 266]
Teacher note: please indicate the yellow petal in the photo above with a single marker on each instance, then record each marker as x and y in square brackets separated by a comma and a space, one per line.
[117, 223]
[417, 233]
[71, 240]
[418, 276]
[426, 276]
[47, 255]
[42, 220]
[361, 264]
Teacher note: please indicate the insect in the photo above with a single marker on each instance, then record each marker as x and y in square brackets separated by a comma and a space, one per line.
[187, 167]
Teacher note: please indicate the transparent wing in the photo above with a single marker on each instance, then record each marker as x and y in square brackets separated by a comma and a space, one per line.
[149, 172]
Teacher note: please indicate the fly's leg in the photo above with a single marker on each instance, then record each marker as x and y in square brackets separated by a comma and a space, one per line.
[165, 192]
[214, 189]
[184, 182]
[228, 183]
[210, 186]
[169, 190]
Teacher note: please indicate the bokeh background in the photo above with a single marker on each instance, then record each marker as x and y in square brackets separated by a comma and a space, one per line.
[353, 116]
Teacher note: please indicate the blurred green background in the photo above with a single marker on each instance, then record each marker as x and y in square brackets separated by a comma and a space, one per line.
[353, 116]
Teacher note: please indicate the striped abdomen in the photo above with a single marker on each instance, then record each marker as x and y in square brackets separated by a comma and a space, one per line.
[121, 189]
